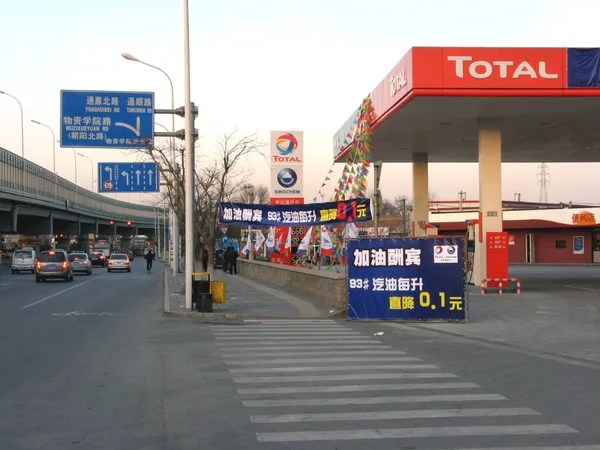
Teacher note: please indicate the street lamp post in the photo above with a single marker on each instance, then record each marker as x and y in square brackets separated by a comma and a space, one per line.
[22, 128]
[189, 161]
[174, 220]
[53, 156]
[91, 166]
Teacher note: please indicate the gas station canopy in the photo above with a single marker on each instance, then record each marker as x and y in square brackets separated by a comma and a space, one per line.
[544, 101]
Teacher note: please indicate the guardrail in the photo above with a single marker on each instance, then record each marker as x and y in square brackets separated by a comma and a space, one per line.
[24, 181]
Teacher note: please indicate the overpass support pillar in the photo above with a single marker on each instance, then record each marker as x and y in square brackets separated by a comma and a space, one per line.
[490, 195]
[420, 213]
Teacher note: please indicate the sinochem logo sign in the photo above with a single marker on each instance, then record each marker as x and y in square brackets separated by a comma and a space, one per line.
[287, 178]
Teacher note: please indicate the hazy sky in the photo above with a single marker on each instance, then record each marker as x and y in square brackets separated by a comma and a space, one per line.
[267, 65]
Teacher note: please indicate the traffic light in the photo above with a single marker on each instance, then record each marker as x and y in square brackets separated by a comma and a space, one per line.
[128, 223]
[112, 222]
[61, 235]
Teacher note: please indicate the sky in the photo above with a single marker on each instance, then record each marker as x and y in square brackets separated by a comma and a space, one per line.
[266, 65]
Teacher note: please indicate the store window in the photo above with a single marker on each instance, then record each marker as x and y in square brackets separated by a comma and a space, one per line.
[561, 244]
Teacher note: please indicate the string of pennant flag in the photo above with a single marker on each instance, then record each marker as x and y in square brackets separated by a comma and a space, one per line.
[353, 180]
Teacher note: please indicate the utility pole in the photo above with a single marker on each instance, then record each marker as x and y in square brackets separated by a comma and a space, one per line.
[543, 180]
[404, 216]
[377, 195]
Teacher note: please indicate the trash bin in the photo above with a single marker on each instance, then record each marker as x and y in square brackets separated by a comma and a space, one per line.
[201, 289]
[204, 303]
[217, 289]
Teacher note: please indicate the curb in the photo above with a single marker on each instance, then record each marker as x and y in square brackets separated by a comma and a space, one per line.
[228, 318]
[237, 319]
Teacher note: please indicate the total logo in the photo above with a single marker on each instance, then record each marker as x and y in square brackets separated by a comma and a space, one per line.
[287, 178]
[501, 69]
[287, 145]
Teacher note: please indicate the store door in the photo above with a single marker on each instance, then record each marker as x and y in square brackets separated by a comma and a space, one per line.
[530, 248]
[596, 245]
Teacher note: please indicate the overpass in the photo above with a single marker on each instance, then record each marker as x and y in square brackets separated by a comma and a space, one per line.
[33, 200]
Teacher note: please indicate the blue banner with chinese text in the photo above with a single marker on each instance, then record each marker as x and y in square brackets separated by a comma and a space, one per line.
[355, 210]
[407, 279]
[583, 67]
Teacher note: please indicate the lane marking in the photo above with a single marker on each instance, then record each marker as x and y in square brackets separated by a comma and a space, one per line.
[264, 362]
[579, 287]
[357, 388]
[287, 335]
[374, 400]
[237, 353]
[337, 367]
[389, 415]
[62, 292]
[544, 312]
[411, 433]
[345, 377]
[300, 343]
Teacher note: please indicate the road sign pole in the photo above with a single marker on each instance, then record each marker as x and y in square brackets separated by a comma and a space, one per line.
[189, 162]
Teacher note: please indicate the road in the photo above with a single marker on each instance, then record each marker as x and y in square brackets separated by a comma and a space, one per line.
[94, 365]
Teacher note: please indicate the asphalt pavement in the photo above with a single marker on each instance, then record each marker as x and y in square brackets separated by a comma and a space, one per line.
[93, 364]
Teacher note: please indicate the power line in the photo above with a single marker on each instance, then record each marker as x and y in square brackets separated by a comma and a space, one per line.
[543, 180]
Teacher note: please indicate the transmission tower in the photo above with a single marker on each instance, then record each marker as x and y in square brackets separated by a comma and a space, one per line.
[543, 180]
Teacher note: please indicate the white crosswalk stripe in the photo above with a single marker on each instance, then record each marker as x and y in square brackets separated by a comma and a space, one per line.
[314, 380]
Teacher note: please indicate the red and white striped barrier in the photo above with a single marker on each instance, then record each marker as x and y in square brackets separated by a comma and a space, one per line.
[500, 283]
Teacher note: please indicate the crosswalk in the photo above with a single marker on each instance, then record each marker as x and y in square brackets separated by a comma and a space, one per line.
[320, 381]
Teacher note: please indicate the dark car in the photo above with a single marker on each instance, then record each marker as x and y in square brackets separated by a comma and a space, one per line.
[80, 263]
[53, 264]
[98, 259]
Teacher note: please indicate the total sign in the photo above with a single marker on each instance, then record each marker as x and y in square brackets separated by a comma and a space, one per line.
[504, 68]
[287, 148]
[286, 181]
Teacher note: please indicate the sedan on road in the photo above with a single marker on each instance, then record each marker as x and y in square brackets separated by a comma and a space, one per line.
[80, 263]
[98, 259]
[53, 264]
[119, 261]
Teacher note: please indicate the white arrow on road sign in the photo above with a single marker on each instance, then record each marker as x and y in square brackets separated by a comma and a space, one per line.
[150, 172]
[136, 130]
[110, 172]
[137, 172]
[126, 175]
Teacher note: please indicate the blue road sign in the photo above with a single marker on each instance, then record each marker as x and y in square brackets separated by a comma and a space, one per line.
[100, 119]
[128, 177]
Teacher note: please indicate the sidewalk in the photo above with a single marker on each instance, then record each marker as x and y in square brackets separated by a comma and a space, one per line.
[245, 298]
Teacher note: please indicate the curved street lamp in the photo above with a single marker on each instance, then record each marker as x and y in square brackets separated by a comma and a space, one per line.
[174, 219]
[22, 129]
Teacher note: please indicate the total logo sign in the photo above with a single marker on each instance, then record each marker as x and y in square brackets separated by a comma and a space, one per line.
[445, 254]
[287, 147]
[286, 181]
[504, 68]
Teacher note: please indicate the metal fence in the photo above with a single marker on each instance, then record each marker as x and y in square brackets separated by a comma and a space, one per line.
[30, 183]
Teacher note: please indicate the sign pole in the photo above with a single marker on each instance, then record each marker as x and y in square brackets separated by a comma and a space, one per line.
[189, 163]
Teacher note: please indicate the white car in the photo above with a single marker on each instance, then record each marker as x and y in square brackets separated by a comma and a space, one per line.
[23, 261]
[119, 261]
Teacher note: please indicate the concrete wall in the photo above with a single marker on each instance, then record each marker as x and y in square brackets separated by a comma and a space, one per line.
[331, 288]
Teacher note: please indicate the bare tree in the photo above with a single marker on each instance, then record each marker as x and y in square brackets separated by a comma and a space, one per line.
[216, 180]
[252, 194]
